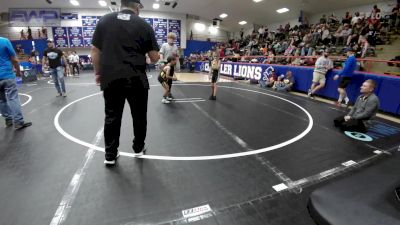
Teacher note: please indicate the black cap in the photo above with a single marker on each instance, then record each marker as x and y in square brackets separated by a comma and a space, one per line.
[137, 1]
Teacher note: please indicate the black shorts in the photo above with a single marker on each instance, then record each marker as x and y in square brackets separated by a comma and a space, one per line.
[162, 81]
[214, 77]
[344, 83]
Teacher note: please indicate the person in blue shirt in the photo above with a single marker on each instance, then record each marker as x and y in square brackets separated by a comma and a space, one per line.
[10, 106]
[346, 77]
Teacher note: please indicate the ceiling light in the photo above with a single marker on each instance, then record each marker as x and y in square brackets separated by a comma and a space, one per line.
[199, 26]
[257, 0]
[102, 3]
[283, 10]
[242, 22]
[223, 15]
[74, 2]
[156, 6]
[213, 30]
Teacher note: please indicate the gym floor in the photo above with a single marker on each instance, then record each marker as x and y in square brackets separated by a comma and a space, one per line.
[251, 157]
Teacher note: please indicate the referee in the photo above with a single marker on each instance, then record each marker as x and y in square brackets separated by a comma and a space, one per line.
[120, 42]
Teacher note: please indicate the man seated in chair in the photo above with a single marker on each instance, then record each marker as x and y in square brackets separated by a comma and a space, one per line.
[366, 107]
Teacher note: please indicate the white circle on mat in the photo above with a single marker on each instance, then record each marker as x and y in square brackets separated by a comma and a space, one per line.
[192, 158]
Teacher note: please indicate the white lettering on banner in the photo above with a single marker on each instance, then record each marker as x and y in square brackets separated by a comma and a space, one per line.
[207, 67]
[245, 71]
[226, 69]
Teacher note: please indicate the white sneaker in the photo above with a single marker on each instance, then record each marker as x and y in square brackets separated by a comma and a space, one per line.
[112, 162]
[141, 153]
[170, 99]
[165, 101]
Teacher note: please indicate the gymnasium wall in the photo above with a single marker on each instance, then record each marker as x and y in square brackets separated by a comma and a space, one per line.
[388, 89]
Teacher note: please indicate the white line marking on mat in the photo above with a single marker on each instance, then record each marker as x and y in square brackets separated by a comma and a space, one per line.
[29, 98]
[68, 199]
[191, 158]
[349, 163]
[25, 103]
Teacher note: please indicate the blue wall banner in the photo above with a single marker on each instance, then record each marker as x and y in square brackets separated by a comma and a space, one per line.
[35, 17]
[87, 41]
[90, 21]
[88, 31]
[174, 26]
[149, 21]
[69, 16]
[75, 37]
[60, 37]
[161, 30]
[387, 91]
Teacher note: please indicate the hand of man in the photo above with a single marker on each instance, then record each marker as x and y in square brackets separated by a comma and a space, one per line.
[98, 80]
[336, 77]
[347, 118]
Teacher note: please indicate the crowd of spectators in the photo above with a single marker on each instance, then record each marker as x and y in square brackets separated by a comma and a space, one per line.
[300, 44]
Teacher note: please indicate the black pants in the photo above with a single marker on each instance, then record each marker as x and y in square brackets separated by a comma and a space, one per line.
[351, 125]
[115, 94]
[75, 66]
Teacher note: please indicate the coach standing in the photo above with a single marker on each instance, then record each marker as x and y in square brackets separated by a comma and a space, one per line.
[120, 43]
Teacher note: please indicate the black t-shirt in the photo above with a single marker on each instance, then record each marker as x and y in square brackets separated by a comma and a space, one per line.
[54, 56]
[124, 39]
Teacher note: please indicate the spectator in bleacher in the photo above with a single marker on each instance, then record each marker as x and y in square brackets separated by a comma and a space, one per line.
[307, 50]
[241, 34]
[395, 17]
[356, 19]
[326, 37]
[346, 77]
[371, 33]
[10, 106]
[271, 56]
[30, 34]
[341, 38]
[360, 116]
[323, 19]
[347, 18]
[355, 34]
[375, 17]
[322, 66]
[261, 32]
[333, 19]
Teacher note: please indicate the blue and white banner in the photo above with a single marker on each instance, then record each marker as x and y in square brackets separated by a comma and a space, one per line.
[60, 37]
[75, 37]
[88, 31]
[76, 42]
[69, 16]
[35, 17]
[161, 30]
[174, 26]
[247, 71]
[75, 31]
[90, 21]
[87, 42]
[149, 21]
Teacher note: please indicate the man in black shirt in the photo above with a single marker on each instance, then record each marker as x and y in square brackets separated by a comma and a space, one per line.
[120, 43]
[52, 59]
